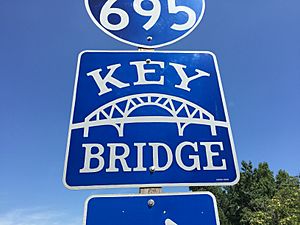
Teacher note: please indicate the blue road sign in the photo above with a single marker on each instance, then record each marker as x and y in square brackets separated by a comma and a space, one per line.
[146, 23]
[149, 119]
[164, 209]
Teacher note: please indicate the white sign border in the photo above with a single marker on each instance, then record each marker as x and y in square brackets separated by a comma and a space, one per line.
[150, 185]
[152, 195]
[86, 2]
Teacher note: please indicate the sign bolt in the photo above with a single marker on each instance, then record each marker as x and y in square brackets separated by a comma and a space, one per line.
[149, 38]
[151, 203]
[152, 169]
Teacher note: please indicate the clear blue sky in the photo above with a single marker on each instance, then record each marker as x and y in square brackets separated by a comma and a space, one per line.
[258, 48]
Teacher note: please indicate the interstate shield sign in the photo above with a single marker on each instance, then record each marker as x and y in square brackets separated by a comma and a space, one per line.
[147, 119]
[146, 23]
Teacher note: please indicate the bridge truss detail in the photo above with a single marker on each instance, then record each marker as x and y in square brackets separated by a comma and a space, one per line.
[117, 113]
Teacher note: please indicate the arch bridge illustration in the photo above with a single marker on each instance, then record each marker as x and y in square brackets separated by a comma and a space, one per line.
[184, 114]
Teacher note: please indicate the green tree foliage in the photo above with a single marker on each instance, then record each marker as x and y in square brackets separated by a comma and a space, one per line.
[259, 198]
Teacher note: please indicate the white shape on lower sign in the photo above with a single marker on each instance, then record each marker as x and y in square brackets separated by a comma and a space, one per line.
[170, 222]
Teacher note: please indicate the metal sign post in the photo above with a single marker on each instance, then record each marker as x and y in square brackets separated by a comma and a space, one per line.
[153, 190]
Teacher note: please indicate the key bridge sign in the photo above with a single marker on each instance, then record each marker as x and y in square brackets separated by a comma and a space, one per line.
[144, 119]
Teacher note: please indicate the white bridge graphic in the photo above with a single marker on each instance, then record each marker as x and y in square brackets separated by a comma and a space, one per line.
[181, 112]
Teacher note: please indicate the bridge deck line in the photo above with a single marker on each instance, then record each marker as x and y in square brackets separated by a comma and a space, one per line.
[118, 122]
[149, 119]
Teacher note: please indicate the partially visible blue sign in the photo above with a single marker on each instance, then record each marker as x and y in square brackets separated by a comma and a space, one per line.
[163, 209]
[146, 23]
[149, 119]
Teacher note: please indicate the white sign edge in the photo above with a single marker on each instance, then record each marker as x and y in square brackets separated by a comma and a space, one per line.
[139, 45]
[152, 195]
[150, 185]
